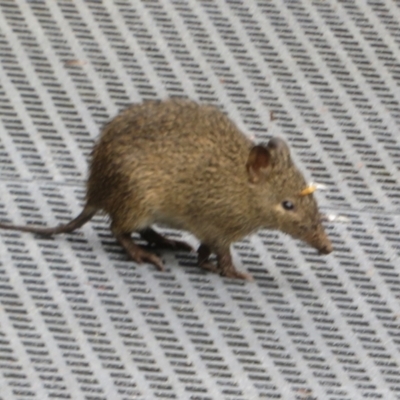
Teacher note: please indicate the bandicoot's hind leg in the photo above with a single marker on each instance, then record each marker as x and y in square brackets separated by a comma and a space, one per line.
[153, 237]
[136, 252]
[127, 218]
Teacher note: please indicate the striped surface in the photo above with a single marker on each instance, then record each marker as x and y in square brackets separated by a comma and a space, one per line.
[80, 321]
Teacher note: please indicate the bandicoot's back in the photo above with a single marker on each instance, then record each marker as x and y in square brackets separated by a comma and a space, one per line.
[174, 147]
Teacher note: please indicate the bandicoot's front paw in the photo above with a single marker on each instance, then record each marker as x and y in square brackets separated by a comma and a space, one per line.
[234, 273]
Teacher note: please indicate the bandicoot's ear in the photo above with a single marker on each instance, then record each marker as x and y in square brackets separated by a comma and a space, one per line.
[280, 153]
[258, 161]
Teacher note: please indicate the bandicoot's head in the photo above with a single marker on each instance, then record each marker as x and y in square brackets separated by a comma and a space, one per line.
[284, 199]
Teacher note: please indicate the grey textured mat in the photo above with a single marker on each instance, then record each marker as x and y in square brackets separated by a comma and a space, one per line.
[80, 321]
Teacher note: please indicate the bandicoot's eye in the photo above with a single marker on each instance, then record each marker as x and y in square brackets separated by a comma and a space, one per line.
[288, 205]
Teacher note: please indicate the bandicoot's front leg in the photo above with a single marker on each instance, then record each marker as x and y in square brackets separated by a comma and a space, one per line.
[224, 265]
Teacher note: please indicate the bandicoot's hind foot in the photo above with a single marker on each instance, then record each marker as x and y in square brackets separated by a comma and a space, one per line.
[137, 253]
[154, 238]
[224, 265]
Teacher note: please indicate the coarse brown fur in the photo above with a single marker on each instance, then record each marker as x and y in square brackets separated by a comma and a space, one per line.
[188, 166]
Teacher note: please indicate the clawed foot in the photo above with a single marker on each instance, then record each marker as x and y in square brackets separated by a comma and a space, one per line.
[235, 274]
[154, 238]
[137, 253]
[224, 265]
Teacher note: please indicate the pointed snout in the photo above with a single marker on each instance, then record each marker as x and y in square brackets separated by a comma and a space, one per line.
[325, 248]
[320, 241]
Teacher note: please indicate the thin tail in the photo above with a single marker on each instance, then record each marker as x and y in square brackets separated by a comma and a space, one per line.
[86, 215]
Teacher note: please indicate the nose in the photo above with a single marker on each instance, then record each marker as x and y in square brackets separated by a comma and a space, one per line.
[326, 248]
